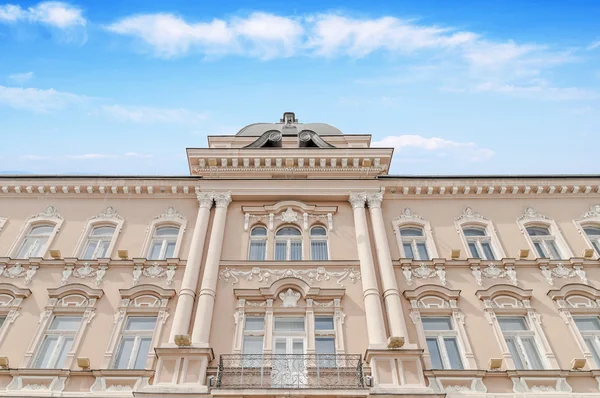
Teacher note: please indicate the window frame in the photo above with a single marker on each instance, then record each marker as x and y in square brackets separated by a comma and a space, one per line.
[264, 238]
[49, 216]
[532, 218]
[413, 241]
[471, 219]
[108, 217]
[137, 335]
[11, 298]
[409, 219]
[590, 218]
[170, 218]
[321, 238]
[288, 239]
[519, 336]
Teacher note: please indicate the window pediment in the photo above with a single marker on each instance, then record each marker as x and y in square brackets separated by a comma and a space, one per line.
[282, 285]
[289, 211]
[505, 296]
[75, 289]
[576, 295]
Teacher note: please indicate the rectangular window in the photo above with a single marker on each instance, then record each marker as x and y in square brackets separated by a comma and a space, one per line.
[254, 335]
[57, 342]
[296, 251]
[318, 250]
[258, 249]
[136, 341]
[422, 250]
[408, 251]
[442, 343]
[325, 341]
[289, 324]
[589, 327]
[521, 343]
[281, 250]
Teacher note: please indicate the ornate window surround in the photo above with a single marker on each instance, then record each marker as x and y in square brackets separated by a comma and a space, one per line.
[577, 299]
[170, 217]
[531, 217]
[265, 239]
[51, 216]
[407, 219]
[511, 300]
[588, 219]
[72, 299]
[317, 301]
[434, 300]
[3, 221]
[108, 217]
[469, 218]
[140, 300]
[11, 298]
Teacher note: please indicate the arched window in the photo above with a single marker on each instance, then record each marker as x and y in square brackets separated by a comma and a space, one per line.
[98, 242]
[479, 243]
[318, 244]
[163, 243]
[258, 244]
[544, 242]
[414, 243]
[35, 242]
[593, 234]
[288, 244]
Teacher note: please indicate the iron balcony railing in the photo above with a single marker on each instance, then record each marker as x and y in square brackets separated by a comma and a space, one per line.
[262, 371]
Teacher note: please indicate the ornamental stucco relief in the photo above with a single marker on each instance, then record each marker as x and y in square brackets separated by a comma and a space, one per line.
[266, 275]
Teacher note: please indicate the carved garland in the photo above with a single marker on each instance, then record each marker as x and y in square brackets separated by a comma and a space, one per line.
[153, 271]
[493, 272]
[562, 272]
[314, 275]
[288, 216]
[424, 272]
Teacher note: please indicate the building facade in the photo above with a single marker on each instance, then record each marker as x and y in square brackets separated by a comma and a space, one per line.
[290, 262]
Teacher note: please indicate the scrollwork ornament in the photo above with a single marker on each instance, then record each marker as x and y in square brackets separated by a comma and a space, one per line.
[264, 275]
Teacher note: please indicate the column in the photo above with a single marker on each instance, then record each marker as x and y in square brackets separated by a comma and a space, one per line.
[373, 311]
[391, 294]
[206, 299]
[189, 284]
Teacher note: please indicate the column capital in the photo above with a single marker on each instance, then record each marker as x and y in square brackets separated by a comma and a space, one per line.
[374, 200]
[205, 199]
[357, 199]
[222, 199]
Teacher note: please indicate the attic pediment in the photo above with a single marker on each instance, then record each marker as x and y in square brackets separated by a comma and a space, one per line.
[274, 138]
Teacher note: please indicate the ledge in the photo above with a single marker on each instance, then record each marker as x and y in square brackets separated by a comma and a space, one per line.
[289, 264]
[503, 262]
[454, 373]
[62, 262]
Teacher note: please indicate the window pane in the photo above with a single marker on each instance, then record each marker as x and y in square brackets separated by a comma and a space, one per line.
[142, 354]
[257, 250]
[585, 324]
[325, 345]
[436, 323]
[411, 232]
[289, 324]
[538, 231]
[42, 230]
[408, 251]
[596, 245]
[288, 231]
[164, 231]
[434, 352]
[296, 251]
[535, 362]
[170, 250]
[103, 231]
[422, 249]
[473, 250]
[318, 250]
[46, 350]
[90, 249]
[589, 342]
[103, 250]
[593, 231]
[453, 353]
[124, 353]
[474, 232]
[259, 231]
[512, 323]
[487, 251]
[65, 323]
[554, 255]
[141, 323]
[2, 319]
[253, 345]
[26, 248]
[280, 251]
[254, 323]
[155, 250]
[318, 231]
[64, 350]
[514, 353]
[540, 250]
[323, 323]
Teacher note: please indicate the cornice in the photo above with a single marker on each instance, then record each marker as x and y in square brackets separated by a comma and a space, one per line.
[289, 264]
[111, 263]
[468, 263]
[95, 188]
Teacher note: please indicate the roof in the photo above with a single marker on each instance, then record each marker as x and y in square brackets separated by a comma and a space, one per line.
[287, 125]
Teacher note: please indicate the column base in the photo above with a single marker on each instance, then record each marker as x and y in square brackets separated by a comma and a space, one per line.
[397, 371]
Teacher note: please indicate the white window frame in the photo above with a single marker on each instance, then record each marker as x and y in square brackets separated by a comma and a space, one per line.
[512, 301]
[170, 217]
[532, 218]
[590, 218]
[288, 239]
[3, 221]
[438, 301]
[319, 238]
[11, 298]
[49, 216]
[264, 238]
[140, 300]
[108, 217]
[471, 219]
[518, 336]
[578, 300]
[74, 300]
[410, 219]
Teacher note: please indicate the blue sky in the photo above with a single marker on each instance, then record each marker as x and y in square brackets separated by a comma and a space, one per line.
[457, 87]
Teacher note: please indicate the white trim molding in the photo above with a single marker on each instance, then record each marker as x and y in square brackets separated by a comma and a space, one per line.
[530, 218]
[409, 218]
[51, 216]
[3, 221]
[170, 217]
[108, 217]
[470, 218]
[512, 301]
[72, 299]
[590, 218]
[11, 298]
[435, 301]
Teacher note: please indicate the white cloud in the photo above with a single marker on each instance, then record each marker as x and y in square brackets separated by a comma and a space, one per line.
[594, 45]
[38, 100]
[20, 78]
[464, 150]
[139, 114]
[53, 13]
[539, 91]
[138, 155]
[88, 156]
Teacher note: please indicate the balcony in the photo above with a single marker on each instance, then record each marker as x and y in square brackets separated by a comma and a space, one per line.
[290, 371]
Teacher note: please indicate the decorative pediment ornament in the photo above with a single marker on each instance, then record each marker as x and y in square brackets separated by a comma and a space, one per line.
[18, 271]
[154, 271]
[424, 272]
[170, 214]
[407, 215]
[594, 212]
[562, 272]
[493, 272]
[469, 214]
[289, 216]
[532, 214]
[83, 272]
[49, 212]
[289, 298]
[314, 275]
[109, 213]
